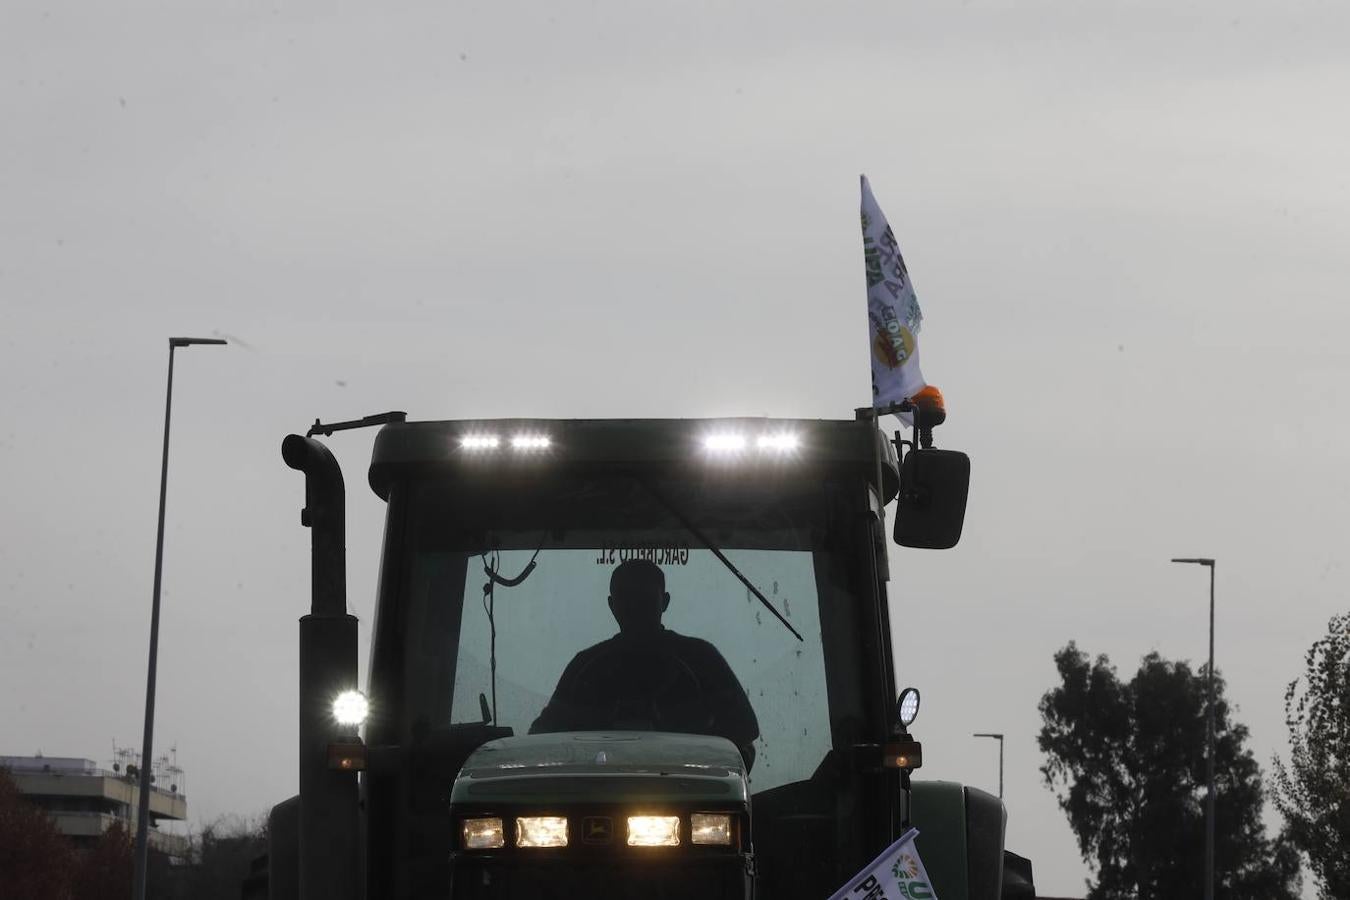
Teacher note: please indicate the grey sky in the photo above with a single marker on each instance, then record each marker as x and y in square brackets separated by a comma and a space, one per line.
[1126, 222]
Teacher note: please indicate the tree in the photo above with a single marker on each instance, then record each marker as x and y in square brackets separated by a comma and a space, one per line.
[1127, 763]
[1313, 791]
[104, 871]
[35, 858]
[219, 860]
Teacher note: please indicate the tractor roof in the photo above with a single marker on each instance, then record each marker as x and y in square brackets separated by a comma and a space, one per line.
[497, 447]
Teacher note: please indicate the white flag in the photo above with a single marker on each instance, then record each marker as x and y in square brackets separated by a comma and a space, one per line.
[892, 308]
[897, 874]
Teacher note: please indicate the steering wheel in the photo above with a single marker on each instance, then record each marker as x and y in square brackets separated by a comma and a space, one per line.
[643, 689]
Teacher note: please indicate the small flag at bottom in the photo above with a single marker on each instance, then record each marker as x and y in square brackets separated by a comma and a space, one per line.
[897, 874]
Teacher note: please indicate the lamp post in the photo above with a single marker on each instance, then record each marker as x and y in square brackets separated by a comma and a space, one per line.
[1209, 734]
[143, 798]
[999, 737]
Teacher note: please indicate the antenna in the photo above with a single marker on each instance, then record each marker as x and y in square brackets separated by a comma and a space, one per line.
[174, 771]
[124, 759]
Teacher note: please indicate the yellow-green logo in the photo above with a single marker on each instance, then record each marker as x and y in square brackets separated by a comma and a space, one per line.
[892, 342]
[906, 871]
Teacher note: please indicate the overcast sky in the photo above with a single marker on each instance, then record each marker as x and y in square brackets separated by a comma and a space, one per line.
[1127, 224]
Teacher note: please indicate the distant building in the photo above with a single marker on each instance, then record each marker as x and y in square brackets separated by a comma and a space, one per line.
[84, 800]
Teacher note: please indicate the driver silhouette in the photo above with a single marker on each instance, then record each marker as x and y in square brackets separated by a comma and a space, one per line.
[647, 677]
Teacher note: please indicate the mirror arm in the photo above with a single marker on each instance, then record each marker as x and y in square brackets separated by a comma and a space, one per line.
[925, 420]
[900, 444]
[922, 428]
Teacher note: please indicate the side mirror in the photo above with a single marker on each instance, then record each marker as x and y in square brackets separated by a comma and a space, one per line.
[931, 506]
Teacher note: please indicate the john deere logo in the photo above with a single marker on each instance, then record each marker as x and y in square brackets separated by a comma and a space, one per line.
[597, 829]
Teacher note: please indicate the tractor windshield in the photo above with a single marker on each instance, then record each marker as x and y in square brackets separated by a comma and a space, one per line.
[623, 617]
[718, 650]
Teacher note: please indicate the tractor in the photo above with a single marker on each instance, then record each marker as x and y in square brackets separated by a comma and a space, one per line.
[521, 736]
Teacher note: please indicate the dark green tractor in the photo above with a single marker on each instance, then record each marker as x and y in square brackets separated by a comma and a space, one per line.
[519, 740]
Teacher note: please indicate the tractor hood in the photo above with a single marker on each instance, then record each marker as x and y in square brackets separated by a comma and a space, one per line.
[603, 767]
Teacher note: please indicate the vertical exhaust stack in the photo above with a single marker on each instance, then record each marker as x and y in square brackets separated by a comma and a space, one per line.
[329, 847]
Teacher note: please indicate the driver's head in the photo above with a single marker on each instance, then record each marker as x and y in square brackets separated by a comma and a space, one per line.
[637, 596]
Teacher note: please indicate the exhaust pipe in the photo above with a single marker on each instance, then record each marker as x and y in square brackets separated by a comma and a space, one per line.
[329, 824]
[325, 513]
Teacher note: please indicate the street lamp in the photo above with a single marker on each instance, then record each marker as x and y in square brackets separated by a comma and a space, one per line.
[143, 800]
[999, 737]
[1209, 736]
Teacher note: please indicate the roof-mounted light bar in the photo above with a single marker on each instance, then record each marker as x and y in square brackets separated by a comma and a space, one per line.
[715, 443]
[724, 442]
[730, 443]
[524, 442]
[781, 442]
[479, 442]
[531, 442]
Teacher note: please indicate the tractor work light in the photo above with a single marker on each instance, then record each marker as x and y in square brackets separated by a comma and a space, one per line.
[710, 828]
[351, 708]
[541, 831]
[907, 707]
[531, 442]
[783, 442]
[732, 443]
[483, 834]
[479, 442]
[653, 831]
[724, 443]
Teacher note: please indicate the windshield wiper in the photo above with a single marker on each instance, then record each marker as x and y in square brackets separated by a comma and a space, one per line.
[494, 577]
[707, 542]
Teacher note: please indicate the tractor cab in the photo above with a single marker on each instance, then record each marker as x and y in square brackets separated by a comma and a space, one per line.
[619, 657]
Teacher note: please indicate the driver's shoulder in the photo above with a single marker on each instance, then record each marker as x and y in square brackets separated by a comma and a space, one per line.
[691, 646]
[597, 649]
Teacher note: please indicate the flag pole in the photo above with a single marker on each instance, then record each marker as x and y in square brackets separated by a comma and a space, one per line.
[876, 452]
[885, 568]
[894, 409]
[878, 446]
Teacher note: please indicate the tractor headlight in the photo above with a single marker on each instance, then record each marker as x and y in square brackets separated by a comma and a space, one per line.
[710, 828]
[541, 831]
[483, 834]
[653, 831]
